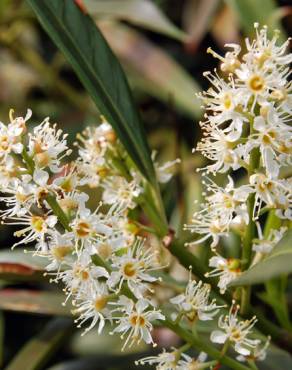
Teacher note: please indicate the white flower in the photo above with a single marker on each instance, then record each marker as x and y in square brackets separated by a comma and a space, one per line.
[221, 209]
[89, 228]
[226, 269]
[219, 148]
[276, 194]
[48, 145]
[9, 172]
[117, 190]
[93, 306]
[91, 162]
[80, 276]
[36, 228]
[266, 245]
[19, 197]
[189, 363]
[194, 303]
[236, 332]
[266, 52]
[163, 361]
[60, 249]
[136, 320]
[259, 353]
[10, 136]
[162, 171]
[134, 268]
[273, 139]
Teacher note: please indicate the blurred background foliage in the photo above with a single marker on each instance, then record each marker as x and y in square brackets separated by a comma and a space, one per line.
[162, 47]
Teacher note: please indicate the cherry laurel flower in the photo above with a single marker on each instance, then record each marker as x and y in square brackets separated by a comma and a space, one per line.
[194, 303]
[236, 332]
[227, 269]
[136, 320]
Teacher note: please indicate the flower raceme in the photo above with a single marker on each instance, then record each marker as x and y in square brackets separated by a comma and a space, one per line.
[102, 257]
[45, 196]
[247, 126]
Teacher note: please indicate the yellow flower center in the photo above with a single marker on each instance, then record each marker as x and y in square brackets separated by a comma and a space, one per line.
[100, 303]
[82, 229]
[42, 159]
[137, 320]
[61, 251]
[129, 269]
[256, 83]
[38, 223]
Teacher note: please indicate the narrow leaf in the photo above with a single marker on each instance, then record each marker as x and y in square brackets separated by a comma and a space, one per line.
[152, 70]
[276, 264]
[36, 353]
[197, 19]
[143, 13]
[29, 301]
[77, 36]
[16, 265]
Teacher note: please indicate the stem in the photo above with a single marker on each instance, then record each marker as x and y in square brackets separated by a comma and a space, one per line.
[62, 217]
[251, 228]
[201, 345]
[187, 259]
[252, 365]
[28, 161]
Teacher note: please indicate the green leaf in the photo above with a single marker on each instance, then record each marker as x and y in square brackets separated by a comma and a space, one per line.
[142, 13]
[276, 264]
[36, 353]
[152, 70]
[77, 36]
[17, 265]
[31, 301]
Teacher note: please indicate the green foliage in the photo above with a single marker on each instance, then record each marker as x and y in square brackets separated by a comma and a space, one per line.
[274, 265]
[99, 71]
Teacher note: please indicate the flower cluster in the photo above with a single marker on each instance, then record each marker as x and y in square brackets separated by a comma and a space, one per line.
[97, 248]
[247, 125]
[96, 254]
[176, 360]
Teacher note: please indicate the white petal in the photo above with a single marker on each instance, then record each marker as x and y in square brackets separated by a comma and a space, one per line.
[218, 336]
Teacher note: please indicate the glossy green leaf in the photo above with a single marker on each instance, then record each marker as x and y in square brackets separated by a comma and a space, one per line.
[152, 70]
[37, 352]
[30, 301]
[142, 13]
[276, 264]
[77, 36]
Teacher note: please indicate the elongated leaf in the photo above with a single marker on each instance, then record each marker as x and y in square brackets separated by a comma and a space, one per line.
[197, 19]
[77, 36]
[143, 13]
[36, 353]
[279, 262]
[16, 265]
[152, 70]
[46, 303]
